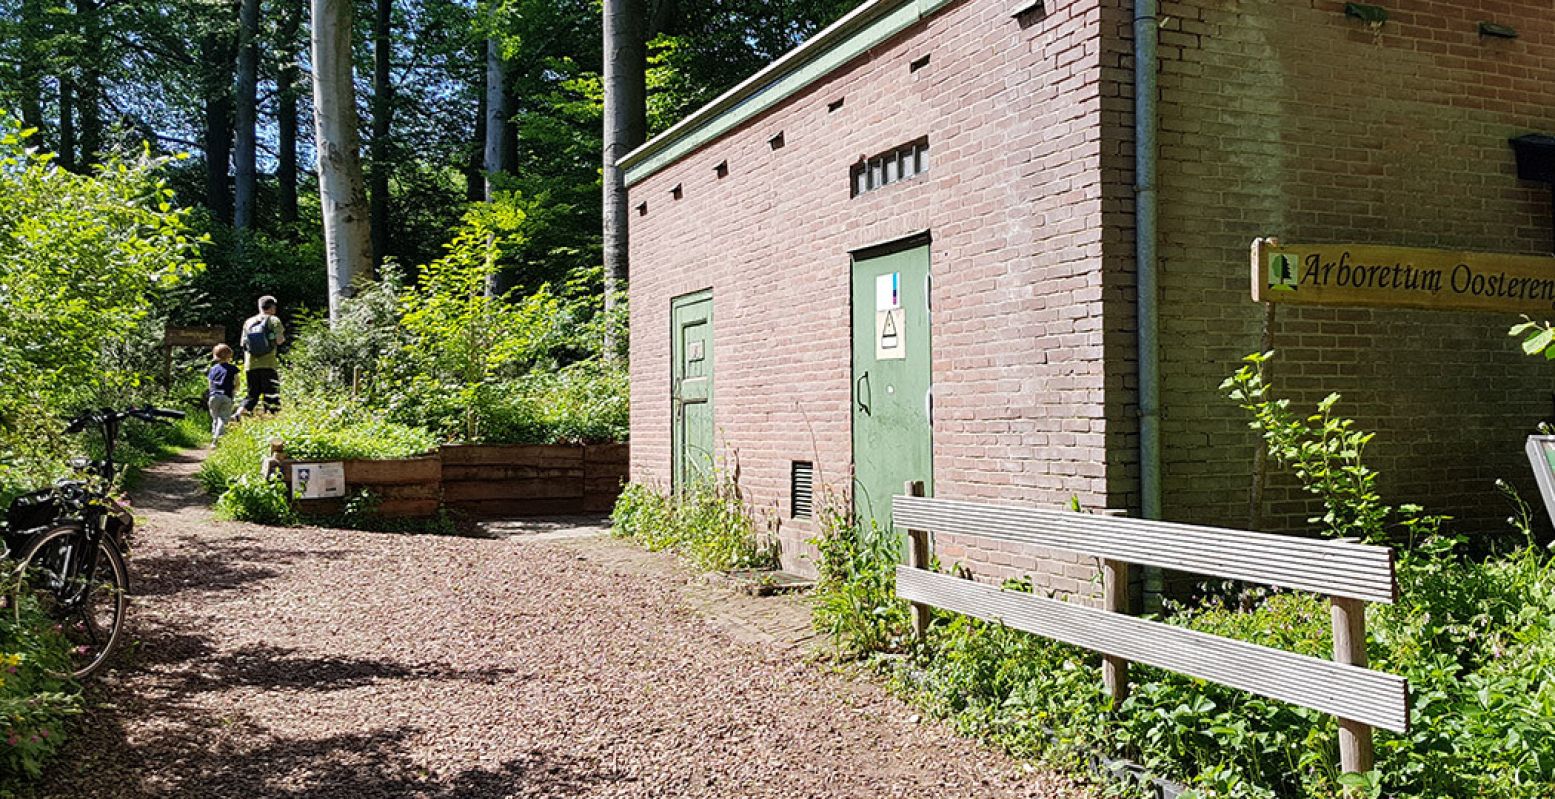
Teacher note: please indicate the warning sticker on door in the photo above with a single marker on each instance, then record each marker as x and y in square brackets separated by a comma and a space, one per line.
[888, 291]
[890, 335]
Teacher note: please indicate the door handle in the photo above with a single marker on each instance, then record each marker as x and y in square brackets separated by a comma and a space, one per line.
[858, 392]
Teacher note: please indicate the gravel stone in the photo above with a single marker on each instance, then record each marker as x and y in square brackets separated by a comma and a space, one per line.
[322, 663]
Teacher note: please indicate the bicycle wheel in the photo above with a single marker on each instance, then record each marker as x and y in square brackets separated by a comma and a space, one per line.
[89, 606]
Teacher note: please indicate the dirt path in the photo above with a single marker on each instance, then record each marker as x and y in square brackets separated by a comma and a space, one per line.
[326, 663]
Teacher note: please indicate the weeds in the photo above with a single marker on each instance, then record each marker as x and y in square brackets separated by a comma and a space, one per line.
[708, 523]
[855, 597]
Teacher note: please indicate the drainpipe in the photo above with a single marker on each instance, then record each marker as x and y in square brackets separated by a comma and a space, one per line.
[1146, 37]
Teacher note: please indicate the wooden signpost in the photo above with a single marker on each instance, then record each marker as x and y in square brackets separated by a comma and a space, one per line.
[1403, 277]
[174, 336]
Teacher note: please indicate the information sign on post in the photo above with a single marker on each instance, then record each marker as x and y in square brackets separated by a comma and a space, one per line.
[1368, 275]
[318, 480]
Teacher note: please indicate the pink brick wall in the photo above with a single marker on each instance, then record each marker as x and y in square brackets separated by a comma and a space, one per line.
[1285, 118]
[1014, 202]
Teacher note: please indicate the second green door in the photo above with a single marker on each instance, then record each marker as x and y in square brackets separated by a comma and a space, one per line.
[893, 403]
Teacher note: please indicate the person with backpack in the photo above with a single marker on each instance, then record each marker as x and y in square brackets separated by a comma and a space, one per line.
[262, 335]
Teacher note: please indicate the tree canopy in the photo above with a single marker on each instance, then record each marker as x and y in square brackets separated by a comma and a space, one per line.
[98, 78]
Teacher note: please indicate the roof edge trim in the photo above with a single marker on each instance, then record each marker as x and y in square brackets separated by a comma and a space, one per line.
[835, 45]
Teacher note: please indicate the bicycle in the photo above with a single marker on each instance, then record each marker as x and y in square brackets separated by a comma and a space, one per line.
[73, 537]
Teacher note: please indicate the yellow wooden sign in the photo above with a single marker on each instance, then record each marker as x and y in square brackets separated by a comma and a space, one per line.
[1407, 277]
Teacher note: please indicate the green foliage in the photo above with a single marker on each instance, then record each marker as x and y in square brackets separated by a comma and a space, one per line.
[1538, 337]
[708, 523]
[360, 351]
[252, 498]
[855, 597]
[585, 403]
[1325, 452]
[85, 260]
[240, 269]
[310, 430]
[34, 704]
[446, 356]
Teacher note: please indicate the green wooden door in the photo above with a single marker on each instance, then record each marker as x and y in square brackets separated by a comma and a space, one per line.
[892, 403]
[691, 387]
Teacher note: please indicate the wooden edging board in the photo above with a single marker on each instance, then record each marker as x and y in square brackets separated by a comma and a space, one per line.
[1349, 692]
[1333, 568]
[1369, 275]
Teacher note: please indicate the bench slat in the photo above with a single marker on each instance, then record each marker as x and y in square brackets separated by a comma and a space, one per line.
[1350, 692]
[1333, 568]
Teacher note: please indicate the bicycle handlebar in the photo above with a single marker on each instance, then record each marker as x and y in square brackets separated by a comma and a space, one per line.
[106, 415]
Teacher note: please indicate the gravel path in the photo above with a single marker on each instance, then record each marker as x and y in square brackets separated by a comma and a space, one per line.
[328, 663]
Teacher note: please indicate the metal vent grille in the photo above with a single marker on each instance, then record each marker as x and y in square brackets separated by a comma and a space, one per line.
[801, 489]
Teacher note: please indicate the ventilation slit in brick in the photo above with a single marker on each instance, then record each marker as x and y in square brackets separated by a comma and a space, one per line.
[801, 489]
[776, 142]
[891, 166]
[1031, 14]
[918, 64]
[722, 170]
[835, 104]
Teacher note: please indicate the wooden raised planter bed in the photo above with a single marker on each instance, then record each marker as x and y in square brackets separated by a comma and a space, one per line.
[487, 480]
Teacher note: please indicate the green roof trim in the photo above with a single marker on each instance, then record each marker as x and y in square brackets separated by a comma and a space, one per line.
[844, 40]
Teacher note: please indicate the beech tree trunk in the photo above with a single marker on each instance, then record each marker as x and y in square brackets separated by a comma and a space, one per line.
[246, 102]
[342, 191]
[216, 60]
[626, 126]
[383, 117]
[498, 114]
[286, 115]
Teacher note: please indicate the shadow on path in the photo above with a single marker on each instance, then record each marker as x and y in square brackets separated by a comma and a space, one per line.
[170, 719]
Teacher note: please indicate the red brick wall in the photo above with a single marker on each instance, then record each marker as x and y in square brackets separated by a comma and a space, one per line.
[1285, 118]
[1277, 118]
[1014, 201]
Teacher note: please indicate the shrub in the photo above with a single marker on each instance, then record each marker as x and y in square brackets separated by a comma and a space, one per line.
[855, 597]
[252, 498]
[314, 431]
[708, 523]
[442, 354]
[34, 704]
[87, 258]
[1326, 453]
[585, 403]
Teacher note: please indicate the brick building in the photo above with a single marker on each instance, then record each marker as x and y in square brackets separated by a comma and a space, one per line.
[908, 250]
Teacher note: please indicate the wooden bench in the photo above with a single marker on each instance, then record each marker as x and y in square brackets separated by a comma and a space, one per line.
[1350, 574]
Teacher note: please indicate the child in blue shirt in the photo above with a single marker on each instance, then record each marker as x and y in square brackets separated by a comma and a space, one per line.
[222, 379]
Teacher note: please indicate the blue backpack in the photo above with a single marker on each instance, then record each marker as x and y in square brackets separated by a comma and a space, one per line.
[256, 337]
